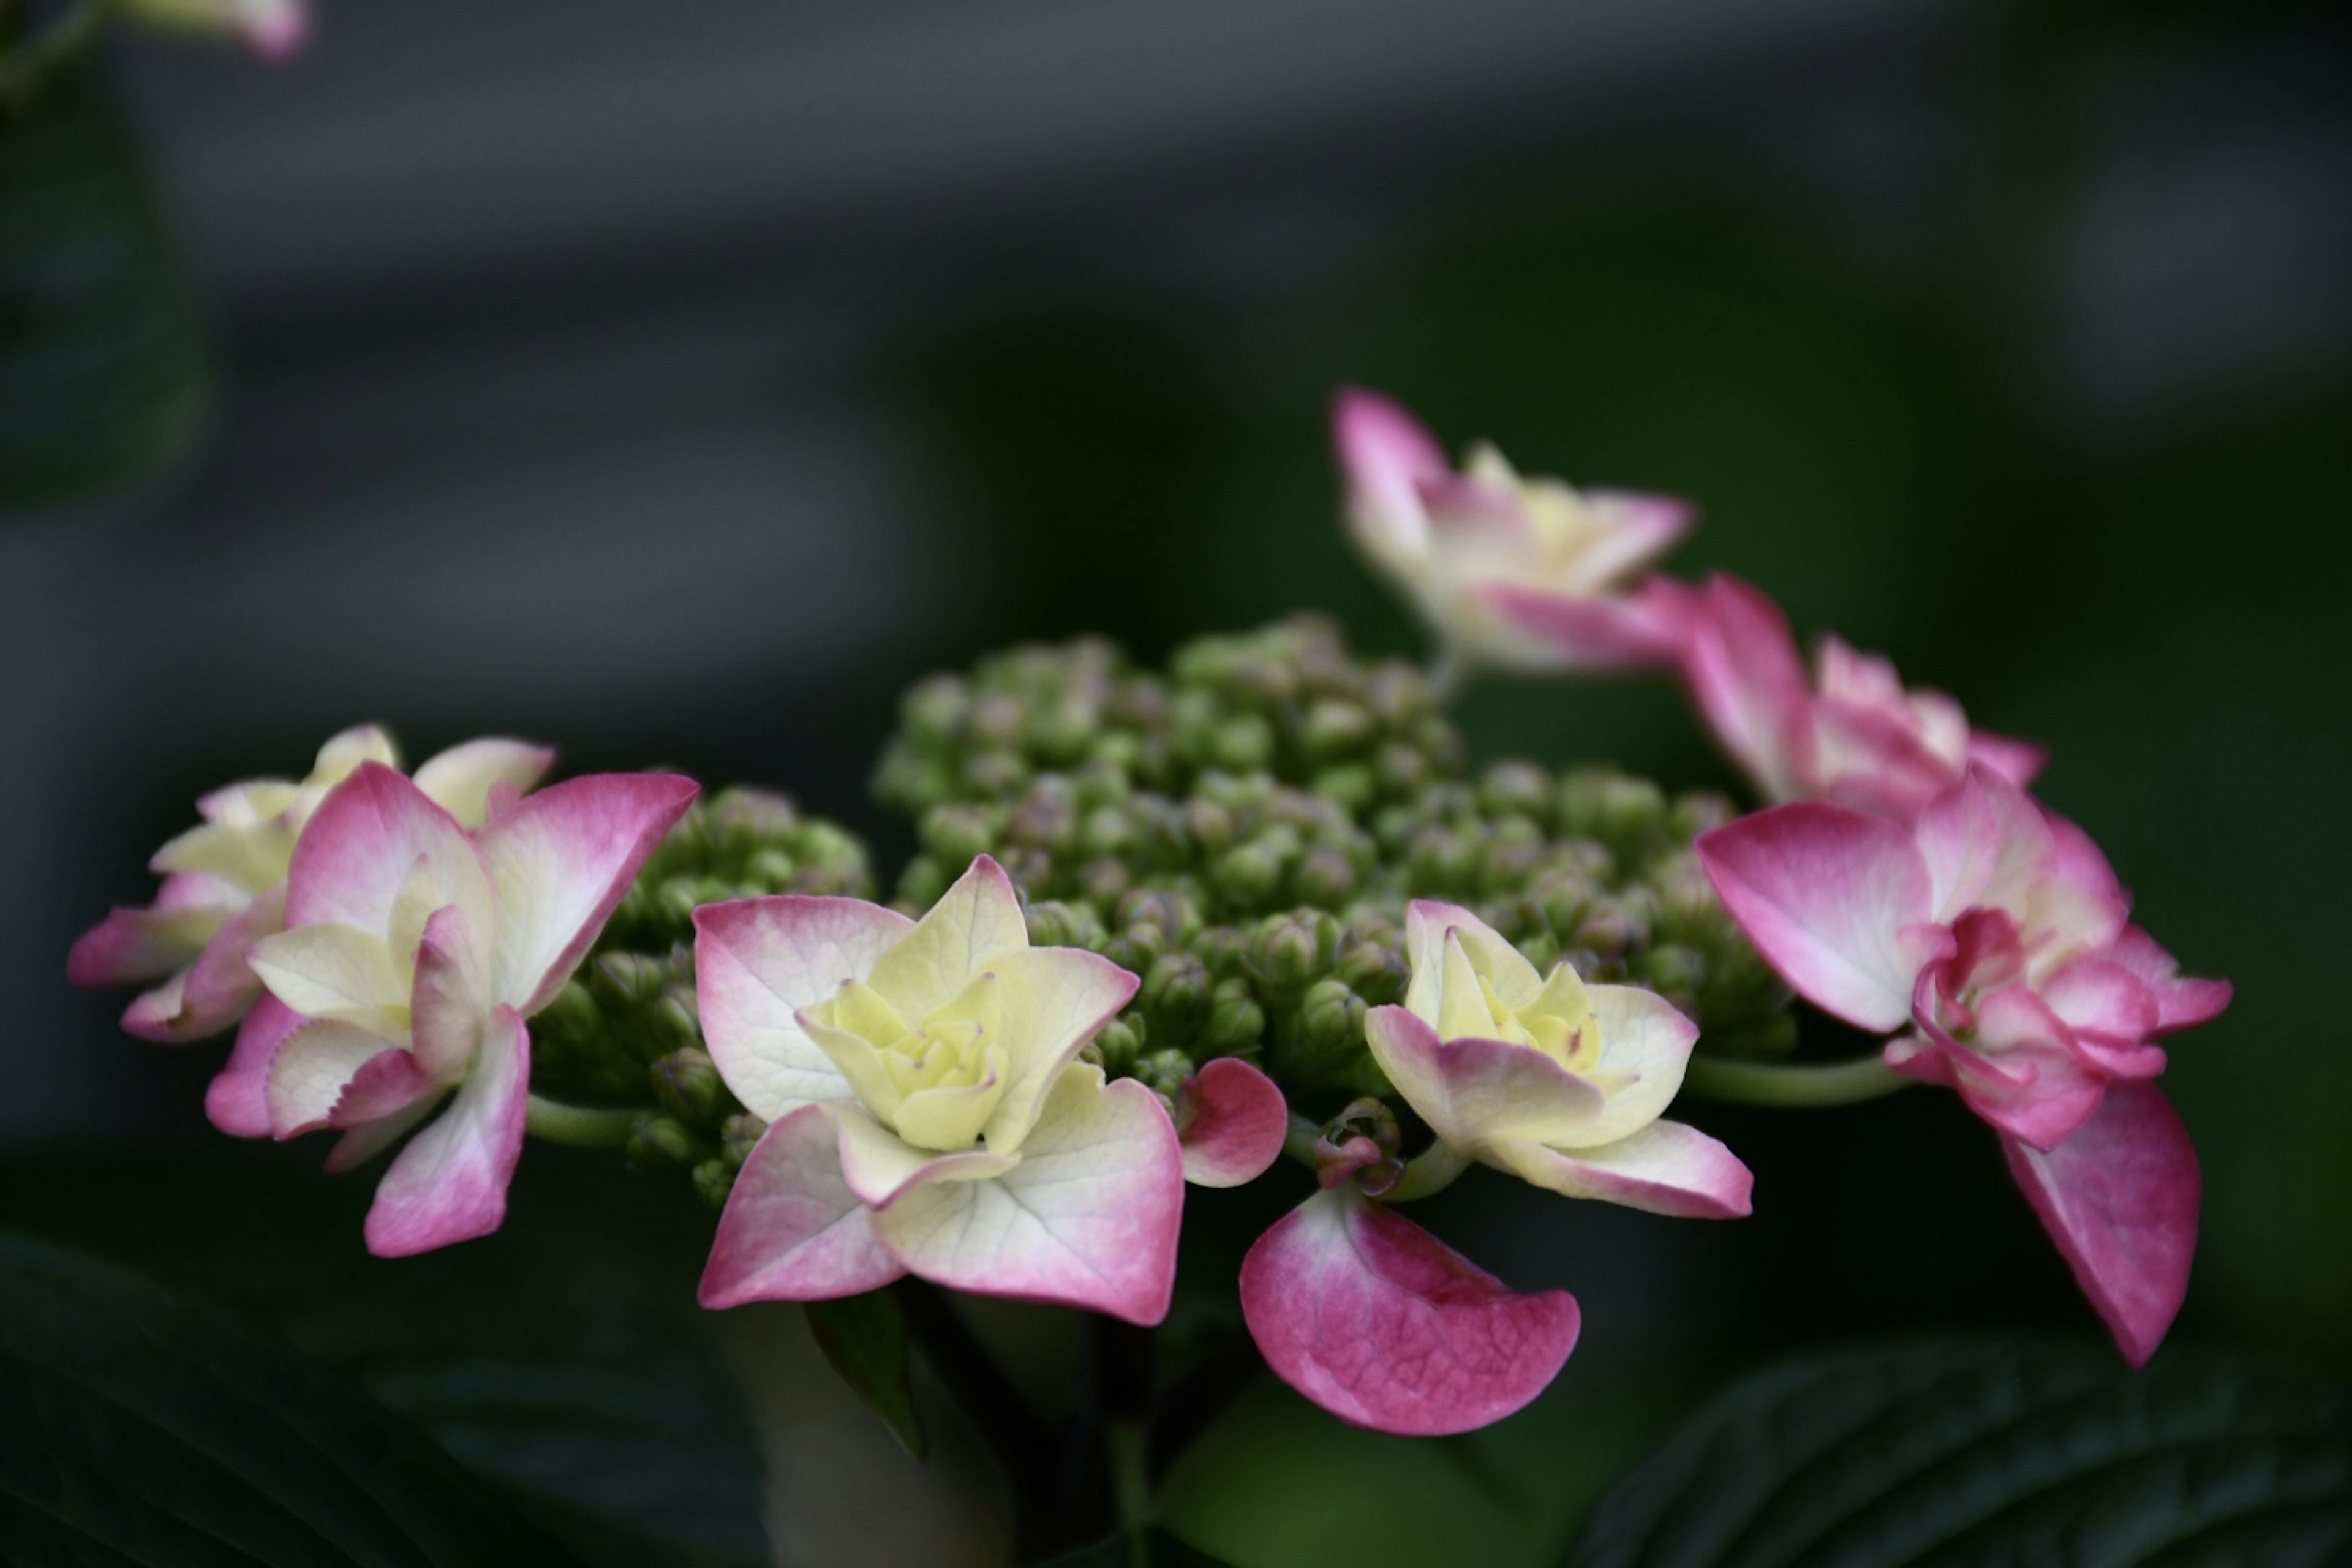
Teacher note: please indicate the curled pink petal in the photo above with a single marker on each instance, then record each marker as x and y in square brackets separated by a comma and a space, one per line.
[449, 1185]
[1665, 1168]
[1384, 1326]
[2019, 761]
[2120, 1199]
[1748, 679]
[2180, 1003]
[1383, 452]
[1825, 895]
[1230, 1122]
[1632, 631]
[218, 988]
[793, 1230]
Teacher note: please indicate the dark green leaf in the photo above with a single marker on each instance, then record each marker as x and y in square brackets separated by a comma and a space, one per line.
[1992, 1452]
[139, 1426]
[865, 1338]
[563, 1359]
[104, 371]
[1160, 1549]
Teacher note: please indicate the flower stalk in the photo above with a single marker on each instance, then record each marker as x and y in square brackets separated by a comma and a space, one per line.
[1793, 1085]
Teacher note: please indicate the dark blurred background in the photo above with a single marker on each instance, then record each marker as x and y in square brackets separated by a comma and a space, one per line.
[676, 383]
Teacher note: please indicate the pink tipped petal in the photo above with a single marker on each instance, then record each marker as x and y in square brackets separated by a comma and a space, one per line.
[793, 1230]
[134, 946]
[2102, 1000]
[1230, 1122]
[1469, 1090]
[310, 1071]
[561, 860]
[759, 961]
[881, 1167]
[387, 1083]
[238, 1101]
[1748, 679]
[1824, 893]
[464, 779]
[363, 844]
[449, 1185]
[973, 922]
[1644, 527]
[220, 987]
[1383, 452]
[2080, 903]
[1643, 1038]
[2180, 1003]
[1384, 1326]
[1986, 846]
[1088, 1218]
[2018, 762]
[1665, 1168]
[1586, 631]
[2120, 1199]
[451, 996]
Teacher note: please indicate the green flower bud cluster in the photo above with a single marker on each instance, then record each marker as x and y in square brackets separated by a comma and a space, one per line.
[624, 1031]
[1258, 892]
[1288, 700]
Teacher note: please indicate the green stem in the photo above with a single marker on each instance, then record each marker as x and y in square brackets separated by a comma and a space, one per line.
[23, 66]
[1788, 1086]
[582, 1126]
[1130, 1474]
[1431, 1171]
[1301, 1141]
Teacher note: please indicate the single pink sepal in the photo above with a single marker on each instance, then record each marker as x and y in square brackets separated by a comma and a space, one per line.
[793, 1230]
[1231, 1120]
[449, 1183]
[1385, 1327]
[1637, 629]
[2120, 1199]
[237, 1099]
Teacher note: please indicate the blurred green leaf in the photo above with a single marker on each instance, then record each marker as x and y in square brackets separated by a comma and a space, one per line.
[563, 1359]
[1160, 1549]
[142, 1426]
[865, 1338]
[1986, 1452]
[104, 369]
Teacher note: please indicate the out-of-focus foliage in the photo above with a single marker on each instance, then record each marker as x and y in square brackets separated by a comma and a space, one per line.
[105, 369]
[145, 1427]
[1971, 1451]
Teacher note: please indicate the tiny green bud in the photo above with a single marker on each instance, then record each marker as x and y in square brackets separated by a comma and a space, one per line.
[1242, 743]
[1104, 880]
[1677, 974]
[1326, 877]
[1248, 876]
[1374, 971]
[933, 708]
[713, 1180]
[570, 1016]
[1164, 1072]
[1442, 860]
[1331, 1020]
[1519, 787]
[1287, 951]
[625, 982]
[1334, 729]
[737, 1135]
[995, 721]
[1052, 924]
[954, 833]
[1351, 786]
[1176, 992]
[1107, 830]
[1120, 1041]
[1629, 815]
[1236, 1023]
[1221, 948]
[1209, 824]
[658, 1141]
[994, 772]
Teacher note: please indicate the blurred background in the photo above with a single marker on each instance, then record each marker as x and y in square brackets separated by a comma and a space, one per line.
[675, 384]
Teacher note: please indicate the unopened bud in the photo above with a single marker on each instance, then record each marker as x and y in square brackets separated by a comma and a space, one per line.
[955, 833]
[1249, 874]
[1052, 924]
[1629, 815]
[1330, 1021]
[1375, 972]
[995, 774]
[1221, 948]
[933, 708]
[1176, 992]
[1210, 825]
[713, 1180]
[1286, 954]
[736, 1136]
[1326, 877]
[1118, 1043]
[1242, 743]
[1519, 787]
[688, 1085]
[658, 1141]
[1107, 830]
[1334, 728]
[1674, 972]
[1442, 860]
[1236, 1023]
[1045, 818]
[996, 722]
[1164, 1072]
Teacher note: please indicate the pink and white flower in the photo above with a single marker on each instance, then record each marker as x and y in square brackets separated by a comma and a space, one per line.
[927, 1115]
[414, 948]
[1992, 939]
[1513, 572]
[1850, 732]
[225, 881]
[1557, 1082]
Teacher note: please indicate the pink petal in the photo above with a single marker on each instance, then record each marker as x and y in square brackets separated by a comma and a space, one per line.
[313, 1070]
[759, 961]
[450, 998]
[2015, 1030]
[1384, 1326]
[1231, 1120]
[2120, 1198]
[363, 843]
[1749, 681]
[220, 987]
[881, 1168]
[1824, 894]
[238, 1101]
[464, 780]
[1643, 527]
[132, 946]
[449, 1185]
[2019, 761]
[1580, 631]
[559, 862]
[2078, 903]
[386, 1084]
[1665, 1168]
[1383, 450]
[793, 1230]
[2102, 1000]
[2180, 1004]
[1985, 844]
[1088, 1218]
